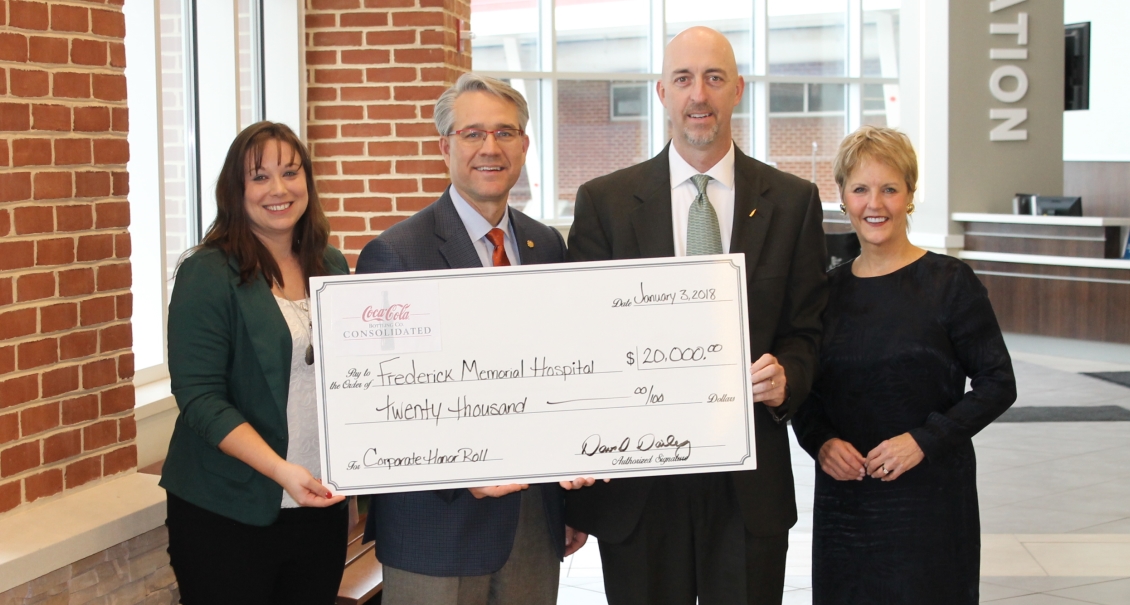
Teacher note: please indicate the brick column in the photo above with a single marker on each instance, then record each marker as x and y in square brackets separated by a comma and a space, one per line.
[66, 400]
[374, 71]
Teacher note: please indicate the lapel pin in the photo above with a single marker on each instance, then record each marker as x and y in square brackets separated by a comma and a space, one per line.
[529, 243]
[753, 213]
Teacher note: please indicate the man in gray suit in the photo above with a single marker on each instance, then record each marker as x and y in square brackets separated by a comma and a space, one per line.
[496, 545]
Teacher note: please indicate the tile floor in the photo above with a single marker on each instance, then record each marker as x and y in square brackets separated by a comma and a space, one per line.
[1055, 497]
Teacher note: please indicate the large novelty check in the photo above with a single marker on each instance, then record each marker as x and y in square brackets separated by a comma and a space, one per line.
[532, 374]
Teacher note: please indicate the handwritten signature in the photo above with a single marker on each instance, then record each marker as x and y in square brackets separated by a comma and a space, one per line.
[594, 444]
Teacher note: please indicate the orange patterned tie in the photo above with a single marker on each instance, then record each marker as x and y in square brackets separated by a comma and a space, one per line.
[496, 237]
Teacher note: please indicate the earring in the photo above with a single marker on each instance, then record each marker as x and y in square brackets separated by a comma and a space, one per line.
[843, 209]
[910, 208]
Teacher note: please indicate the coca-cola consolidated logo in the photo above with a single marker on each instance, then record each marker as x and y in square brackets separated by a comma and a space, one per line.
[381, 318]
[395, 312]
[390, 322]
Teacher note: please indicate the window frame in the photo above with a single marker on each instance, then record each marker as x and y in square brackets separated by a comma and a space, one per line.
[757, 81]
[275, 30]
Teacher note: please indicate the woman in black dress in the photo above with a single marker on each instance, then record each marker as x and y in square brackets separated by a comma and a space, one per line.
[889, 420]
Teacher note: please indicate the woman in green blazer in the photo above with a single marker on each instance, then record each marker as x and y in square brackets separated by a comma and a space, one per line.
[248, 519]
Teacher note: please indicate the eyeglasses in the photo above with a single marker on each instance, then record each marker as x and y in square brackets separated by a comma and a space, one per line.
[476, 136]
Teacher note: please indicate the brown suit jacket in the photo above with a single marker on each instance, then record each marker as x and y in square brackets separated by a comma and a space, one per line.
[627, 214]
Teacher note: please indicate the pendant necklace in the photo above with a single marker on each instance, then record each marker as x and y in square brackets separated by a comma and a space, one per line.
[300, 309]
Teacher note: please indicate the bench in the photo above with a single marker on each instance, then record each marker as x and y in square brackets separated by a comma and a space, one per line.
[364, 575]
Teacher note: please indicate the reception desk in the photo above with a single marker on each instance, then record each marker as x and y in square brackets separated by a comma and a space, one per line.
[1053, 275]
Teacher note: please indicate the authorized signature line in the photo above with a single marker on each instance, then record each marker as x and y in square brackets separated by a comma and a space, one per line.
[639, 452]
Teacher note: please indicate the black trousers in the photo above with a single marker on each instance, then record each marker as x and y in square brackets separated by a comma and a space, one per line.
[218, 561]
[691, 545]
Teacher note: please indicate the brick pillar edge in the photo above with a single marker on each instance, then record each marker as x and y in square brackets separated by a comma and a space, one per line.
[374, 69]
[66, 397]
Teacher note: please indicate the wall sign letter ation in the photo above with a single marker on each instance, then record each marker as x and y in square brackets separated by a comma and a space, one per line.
[1008, 71]
[1007, 131]
[1007, 54]
[1019, 29]
[997, 5]
[1013, 117]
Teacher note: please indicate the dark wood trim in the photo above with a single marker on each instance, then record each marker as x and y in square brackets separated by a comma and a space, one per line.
[1068, 302]
[1049, 240]
[1046, 247]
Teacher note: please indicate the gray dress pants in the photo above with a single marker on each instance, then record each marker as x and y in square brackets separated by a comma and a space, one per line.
[529, 577]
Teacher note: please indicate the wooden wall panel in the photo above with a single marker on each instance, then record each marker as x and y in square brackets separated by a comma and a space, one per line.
[1049, 247]
[1050, 240]
[1067, 302]
[1104, 186]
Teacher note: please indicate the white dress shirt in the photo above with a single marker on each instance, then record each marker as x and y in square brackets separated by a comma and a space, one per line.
[720, 190]
[477, 228]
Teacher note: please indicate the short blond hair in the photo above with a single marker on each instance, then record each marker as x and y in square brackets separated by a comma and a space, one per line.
[884, 145]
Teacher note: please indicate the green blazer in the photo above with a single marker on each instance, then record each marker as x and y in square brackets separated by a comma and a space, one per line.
[229, 363]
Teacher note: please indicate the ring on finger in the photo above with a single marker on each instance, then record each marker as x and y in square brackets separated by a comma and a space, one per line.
[886, 471]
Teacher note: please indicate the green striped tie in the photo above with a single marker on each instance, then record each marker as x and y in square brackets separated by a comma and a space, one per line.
[703, 235]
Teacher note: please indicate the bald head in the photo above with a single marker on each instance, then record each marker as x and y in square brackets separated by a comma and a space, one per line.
[697, 41]
[700, 89]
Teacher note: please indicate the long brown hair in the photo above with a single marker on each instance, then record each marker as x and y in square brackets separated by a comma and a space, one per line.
[231, 231]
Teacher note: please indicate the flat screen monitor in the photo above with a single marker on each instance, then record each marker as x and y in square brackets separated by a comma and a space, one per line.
[1058, 206]
[1077, 67]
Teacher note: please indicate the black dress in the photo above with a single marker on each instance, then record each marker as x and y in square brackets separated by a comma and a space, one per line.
[897, 350]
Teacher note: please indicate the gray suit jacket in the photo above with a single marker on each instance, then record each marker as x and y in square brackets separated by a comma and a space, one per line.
[777, 225]
[449, 532]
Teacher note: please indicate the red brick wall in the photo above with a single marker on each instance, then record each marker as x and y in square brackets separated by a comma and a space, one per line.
[374, 71]
[66, 400]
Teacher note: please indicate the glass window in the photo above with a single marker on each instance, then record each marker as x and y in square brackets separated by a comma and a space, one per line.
[808, 37]
[881, 58]
[178, 124]
[597, 100]
[166, 139]
[148, 284]
[505, 35]
[806, 146]
[629, 101]
[880, 38]
[603, 36]
[880, 105]
[741, 126]
[873, 98]
[527, 192]
[250, 60]
[825, 97]
[806, 98]
[734, 19]
[590, 143]
[786, 98]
